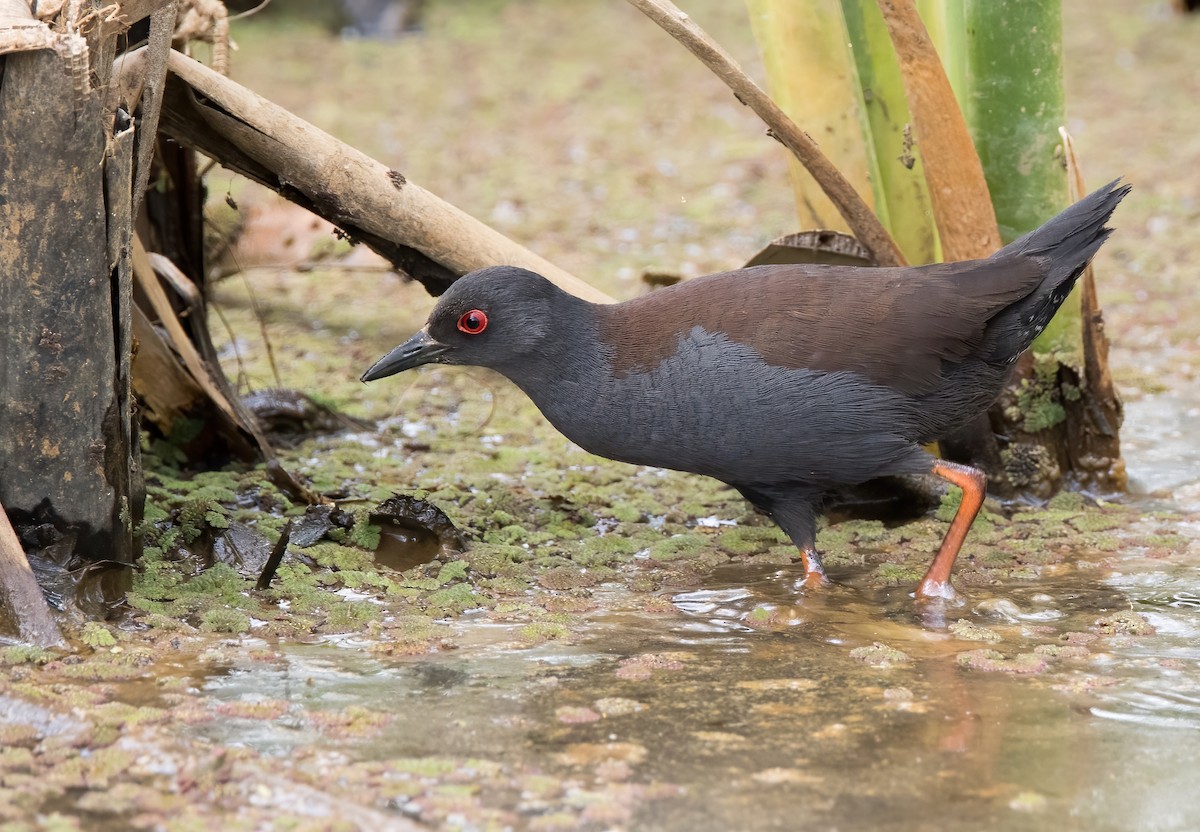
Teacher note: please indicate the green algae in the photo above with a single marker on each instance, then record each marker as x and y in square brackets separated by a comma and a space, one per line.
[1125, 622]
[606, 550]
[525, 538]
[678, 547]
[749, 540]
[1062, 651]
[350, 617]
[969, 631]
[490, 560]
[539, 632]
[1099, 521]
[1071, 501]
[336, 556]
[566, 577]
[96, 635]
[454, 599]
[1038, 405]
[880, 655]
[993, 661]
[221, 620]
[19, 654]
[896, 574]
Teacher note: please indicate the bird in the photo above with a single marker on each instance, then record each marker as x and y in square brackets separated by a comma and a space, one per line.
[781, 381]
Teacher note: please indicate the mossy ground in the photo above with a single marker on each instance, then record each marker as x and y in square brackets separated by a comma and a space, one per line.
[607, 165]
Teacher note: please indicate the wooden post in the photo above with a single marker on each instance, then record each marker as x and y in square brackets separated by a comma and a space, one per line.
[68, 440]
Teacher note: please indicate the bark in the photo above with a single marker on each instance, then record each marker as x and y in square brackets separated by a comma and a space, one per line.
[59, 398]
[21, 599]
[69, 447]
[1094, 419]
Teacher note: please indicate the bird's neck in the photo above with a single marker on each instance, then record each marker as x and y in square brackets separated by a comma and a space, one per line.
[569, 375]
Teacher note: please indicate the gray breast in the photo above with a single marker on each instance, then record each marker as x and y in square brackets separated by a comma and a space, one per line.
[714, 407]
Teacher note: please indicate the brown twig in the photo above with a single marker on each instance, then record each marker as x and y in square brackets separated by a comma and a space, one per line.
[286, 481]
[275, 558]
[861, 219]
[1104, 413]
[20, 593]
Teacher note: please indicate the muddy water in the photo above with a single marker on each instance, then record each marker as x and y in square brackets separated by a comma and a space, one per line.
[775, 725]
[741, 705]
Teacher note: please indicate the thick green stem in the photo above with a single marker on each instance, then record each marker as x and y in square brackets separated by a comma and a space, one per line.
[1014, 107]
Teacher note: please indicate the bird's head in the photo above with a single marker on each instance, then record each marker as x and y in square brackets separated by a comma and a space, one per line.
[489, 318]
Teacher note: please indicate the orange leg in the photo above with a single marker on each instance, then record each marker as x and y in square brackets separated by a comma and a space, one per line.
[814, 572]
[936, 583]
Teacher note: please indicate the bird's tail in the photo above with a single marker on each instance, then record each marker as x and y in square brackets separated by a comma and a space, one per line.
[1062, 246]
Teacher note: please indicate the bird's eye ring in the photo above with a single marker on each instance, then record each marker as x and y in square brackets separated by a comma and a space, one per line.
[473, 322]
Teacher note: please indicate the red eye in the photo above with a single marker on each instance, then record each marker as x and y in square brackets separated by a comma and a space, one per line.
[473, 322]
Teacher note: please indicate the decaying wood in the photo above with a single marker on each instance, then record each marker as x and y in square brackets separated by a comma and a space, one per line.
[126, 478]
[58, 399]
[165, 390]
[132, 11]
[69, 444]
[1095, 446]
[153, 82]
[958, 191]
[275, 558]
[21, 598]
[207, 21]
[177, 374]
[148, 283]
[21, 31]
[176, 381]
[421, 234]
[858, 215]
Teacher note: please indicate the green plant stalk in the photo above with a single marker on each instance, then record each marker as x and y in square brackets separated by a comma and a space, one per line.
[810, 76]
[897, 172]
[1014, 106]
[1004, 62]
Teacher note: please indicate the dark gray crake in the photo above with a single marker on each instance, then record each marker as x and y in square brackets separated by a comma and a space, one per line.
[782, 381]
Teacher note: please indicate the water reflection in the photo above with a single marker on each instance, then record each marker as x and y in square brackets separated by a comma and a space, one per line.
[749, 698]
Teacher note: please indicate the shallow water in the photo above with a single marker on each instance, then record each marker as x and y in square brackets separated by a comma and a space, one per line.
[1158, 440]
[779, 727]
[734, 702]
[742, 704]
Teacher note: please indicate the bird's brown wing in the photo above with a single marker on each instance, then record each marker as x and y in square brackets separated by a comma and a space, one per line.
[893, 326]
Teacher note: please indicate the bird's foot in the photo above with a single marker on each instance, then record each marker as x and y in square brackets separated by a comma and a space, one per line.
[814, 573]
[814, 581]
[932, 590]
[934, 601]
